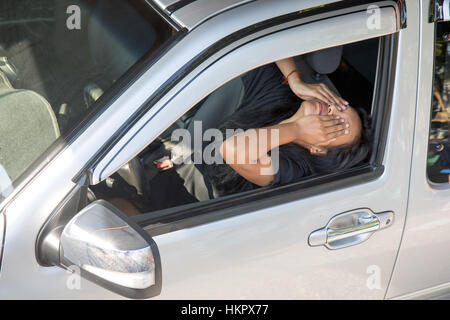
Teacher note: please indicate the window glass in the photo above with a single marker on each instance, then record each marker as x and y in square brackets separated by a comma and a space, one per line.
[185, 165]
[56, 59]
[438, 163]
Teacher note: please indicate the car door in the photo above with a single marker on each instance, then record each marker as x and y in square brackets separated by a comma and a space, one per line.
[422, 267]
[252, 247]
[277, 243]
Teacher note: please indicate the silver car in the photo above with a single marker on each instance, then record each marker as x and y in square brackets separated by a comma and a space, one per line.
[91, 90]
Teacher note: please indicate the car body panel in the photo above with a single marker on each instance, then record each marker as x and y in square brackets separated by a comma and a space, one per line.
[422, 263]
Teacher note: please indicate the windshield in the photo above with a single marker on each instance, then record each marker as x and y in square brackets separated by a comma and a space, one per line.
[57, 58]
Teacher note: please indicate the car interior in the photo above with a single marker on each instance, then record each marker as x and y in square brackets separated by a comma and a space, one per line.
[348, 70]
[55, 63]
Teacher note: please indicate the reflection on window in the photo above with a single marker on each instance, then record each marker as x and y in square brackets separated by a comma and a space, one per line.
[439, 145]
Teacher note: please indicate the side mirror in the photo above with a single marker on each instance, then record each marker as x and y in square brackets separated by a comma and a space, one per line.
[109, 249]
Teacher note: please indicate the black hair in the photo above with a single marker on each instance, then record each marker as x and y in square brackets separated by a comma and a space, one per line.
[228, 181]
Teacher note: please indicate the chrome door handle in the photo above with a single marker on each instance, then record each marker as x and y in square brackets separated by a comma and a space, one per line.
[350, 228]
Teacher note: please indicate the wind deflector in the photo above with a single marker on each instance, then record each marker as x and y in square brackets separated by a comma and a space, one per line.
[190, 13]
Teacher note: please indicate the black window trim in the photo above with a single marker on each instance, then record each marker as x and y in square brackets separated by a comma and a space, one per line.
[383, 95]
[178, 5]
[195, 214]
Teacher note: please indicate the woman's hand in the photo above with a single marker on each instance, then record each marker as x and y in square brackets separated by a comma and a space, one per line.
[307, 91]
[320, 91]
[317, 130]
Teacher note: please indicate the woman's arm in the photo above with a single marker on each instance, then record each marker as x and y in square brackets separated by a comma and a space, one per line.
[247, 152]
[305, 90]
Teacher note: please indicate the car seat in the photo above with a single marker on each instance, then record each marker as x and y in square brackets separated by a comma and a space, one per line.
[218, 106]
[28, 127]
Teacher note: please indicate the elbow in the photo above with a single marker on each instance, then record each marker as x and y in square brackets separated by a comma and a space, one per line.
[255, 173]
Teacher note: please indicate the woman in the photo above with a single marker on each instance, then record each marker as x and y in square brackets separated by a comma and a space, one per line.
[313, 137]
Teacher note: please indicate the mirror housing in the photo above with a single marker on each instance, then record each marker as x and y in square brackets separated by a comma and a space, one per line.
[108, 249]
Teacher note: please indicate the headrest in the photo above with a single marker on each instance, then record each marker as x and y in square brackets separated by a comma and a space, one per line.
[325, 61]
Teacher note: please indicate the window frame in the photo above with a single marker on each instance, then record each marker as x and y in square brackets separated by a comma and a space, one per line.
[194, 214]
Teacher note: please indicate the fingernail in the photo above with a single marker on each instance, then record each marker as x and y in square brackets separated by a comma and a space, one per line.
[346, 131]
[347, 125]
[342, 120]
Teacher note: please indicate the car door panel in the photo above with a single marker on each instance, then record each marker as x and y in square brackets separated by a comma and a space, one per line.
[264, 253]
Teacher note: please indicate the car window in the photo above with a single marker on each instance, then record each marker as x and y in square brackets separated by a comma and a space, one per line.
[438, 164]
[57, 58]
[185, 165]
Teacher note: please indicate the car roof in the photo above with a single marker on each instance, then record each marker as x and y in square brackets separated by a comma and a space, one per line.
[190, 13]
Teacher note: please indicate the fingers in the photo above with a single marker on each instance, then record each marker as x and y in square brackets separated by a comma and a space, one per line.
[333, 122]
[340, 103]
[336, 134]
[337, 128]
[337, 100]
[333, 127]
[332, 136]
[329, 117]
[333, 99]
[318, 91]
[323, 93]
[322, 96]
